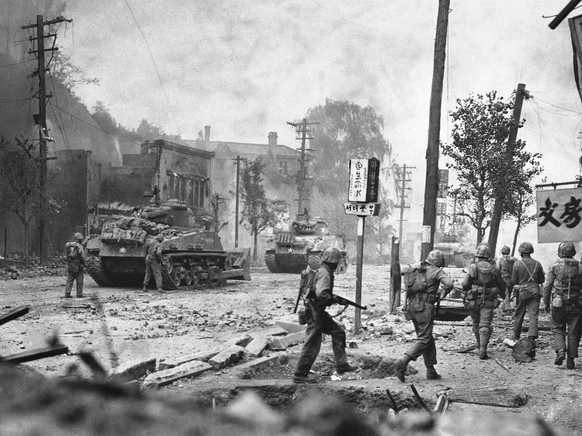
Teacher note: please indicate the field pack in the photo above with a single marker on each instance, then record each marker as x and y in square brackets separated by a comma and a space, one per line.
[415, 280]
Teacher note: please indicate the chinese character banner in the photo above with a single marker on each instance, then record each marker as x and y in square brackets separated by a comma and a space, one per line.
[559, 215]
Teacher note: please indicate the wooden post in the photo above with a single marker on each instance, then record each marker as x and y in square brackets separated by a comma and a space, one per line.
[359, 263]
[434, 126]
[395, 278]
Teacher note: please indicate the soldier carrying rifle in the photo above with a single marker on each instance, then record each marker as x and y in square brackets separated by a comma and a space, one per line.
[319, 321]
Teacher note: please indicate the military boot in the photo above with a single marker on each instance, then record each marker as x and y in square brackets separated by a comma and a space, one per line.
[560, 356]
[432, 374]
[477, 336]
[570, 363]
[400, 367]
[484, 341]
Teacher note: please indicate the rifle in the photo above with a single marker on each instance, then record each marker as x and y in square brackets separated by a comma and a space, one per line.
[298, 299]
[345, 302]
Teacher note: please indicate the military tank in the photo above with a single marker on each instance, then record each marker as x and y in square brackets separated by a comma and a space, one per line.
[292, 251]
[192, 254]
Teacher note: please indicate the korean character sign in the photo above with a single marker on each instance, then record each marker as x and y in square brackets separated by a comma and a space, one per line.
[559, 215]
[364, 180]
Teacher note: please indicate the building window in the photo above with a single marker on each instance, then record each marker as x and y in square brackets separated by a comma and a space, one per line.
[283, 167]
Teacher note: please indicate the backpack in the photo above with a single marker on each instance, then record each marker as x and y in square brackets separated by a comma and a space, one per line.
[567, 271]
[307, 283]
[415, 280]
[506, 266]
[484, 273]
[72, 251]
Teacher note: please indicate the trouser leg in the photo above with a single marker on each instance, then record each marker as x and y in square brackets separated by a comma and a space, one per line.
[157, 270]
[311, 345]
[475, 317]
[80, 280]
[518, 318]
[424, 345]
[559, 328]
[148, 275]
[485, 330]
[338, 339]
[573, 327]
[69, 283]
[533, 313]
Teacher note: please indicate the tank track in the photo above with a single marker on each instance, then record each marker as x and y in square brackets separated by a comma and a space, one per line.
[271, 262]
[97, 272]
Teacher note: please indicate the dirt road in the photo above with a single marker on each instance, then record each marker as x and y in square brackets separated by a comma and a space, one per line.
[134, 324]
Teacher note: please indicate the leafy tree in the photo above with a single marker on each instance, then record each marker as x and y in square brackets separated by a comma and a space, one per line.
[69, 74]
[519, 207]
[483, 162]
[345, 131]
[258, 212]
[378, 229]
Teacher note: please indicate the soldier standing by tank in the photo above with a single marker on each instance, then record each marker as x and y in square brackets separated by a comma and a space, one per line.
[421, 309]
[76, 260]
[320, 322]
[505, 264]
[153, 262]
[528, 275]
[482, 285]
[562, 287]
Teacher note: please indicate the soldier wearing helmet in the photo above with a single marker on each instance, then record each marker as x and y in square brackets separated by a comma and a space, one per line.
[505, 265]
[562, 298]
[420, 309]
[528, 276]
[319, 322]
[76, 259]
[153, 262]
[482, 285]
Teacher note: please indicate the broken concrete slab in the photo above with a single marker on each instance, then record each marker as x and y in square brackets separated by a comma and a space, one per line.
[286, 341]
[261, 363]
[275, 330]
[227, 357]
[202, 356]
[242, 340]
[162, 378]
[256, 346]
[291, 327]
[133, 370]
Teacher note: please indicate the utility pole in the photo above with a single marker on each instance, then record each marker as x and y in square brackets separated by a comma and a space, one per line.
[434, 128]
[302, 134]
[237, 163]
[401, 181]
[520, 93]
[41, 120]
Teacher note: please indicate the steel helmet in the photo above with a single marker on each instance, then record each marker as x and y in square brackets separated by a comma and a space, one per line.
[78, 236]
[566, 249]
[331, 255]
[525, 248]
[436, 258]
[506, 249]
[483, 251]
[160, 237]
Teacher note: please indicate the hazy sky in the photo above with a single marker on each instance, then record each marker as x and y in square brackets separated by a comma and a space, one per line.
[247, 67]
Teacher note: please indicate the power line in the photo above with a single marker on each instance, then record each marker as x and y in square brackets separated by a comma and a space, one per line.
[155, 65]
[16, 63]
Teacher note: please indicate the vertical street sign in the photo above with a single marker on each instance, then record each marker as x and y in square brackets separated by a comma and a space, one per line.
[362, 201]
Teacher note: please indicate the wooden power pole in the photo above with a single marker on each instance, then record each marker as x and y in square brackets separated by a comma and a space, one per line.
[500, 193]
[41, 120]
[236, 202]
[434, 128]
[302, 130]
[401, 181]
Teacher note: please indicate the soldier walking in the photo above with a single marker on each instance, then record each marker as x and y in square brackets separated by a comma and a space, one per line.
[320, 322]
[482, 285]
[76, 260]
[505, 265]
[421, 310]
[528, 276]
[562, 300]
[153, 262]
